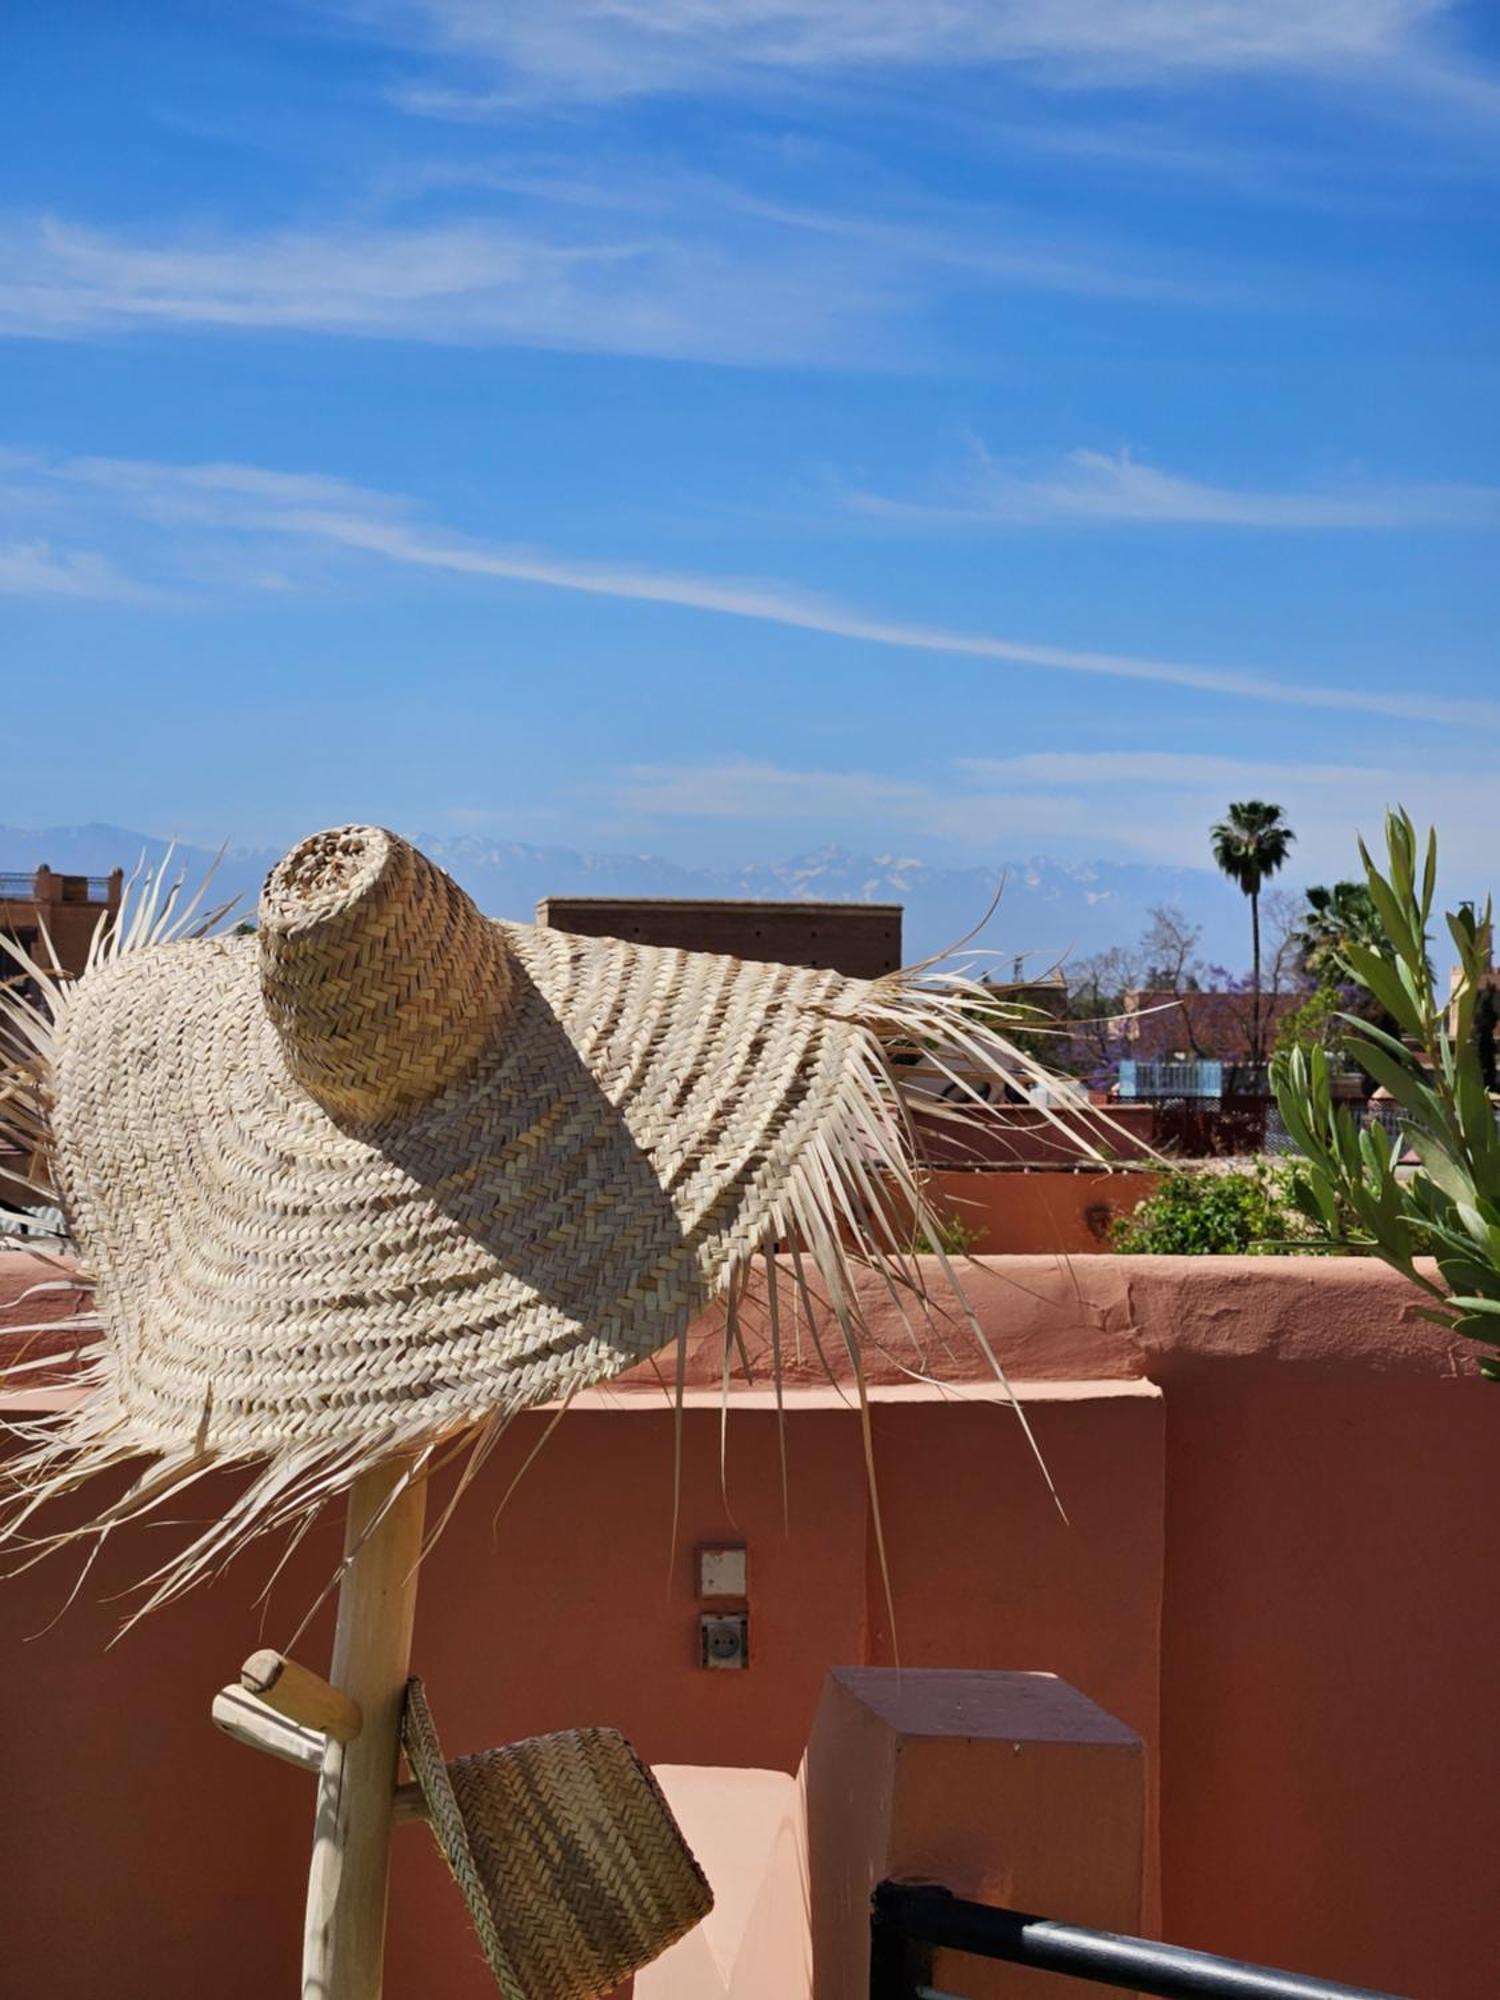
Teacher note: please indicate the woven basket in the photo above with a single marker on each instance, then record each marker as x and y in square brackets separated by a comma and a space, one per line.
[574, 1870]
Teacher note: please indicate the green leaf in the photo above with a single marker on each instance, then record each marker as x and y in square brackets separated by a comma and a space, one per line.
[1442, 1167]
[1429, 874]
[1405, 1082]
[1380, 977]
[1396, 921]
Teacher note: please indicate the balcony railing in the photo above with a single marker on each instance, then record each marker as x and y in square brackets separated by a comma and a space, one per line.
[95, 888]
[1171, 1079]
[44, 886]
[910, 1921]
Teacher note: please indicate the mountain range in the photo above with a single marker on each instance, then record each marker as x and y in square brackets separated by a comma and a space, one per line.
[1048, 909]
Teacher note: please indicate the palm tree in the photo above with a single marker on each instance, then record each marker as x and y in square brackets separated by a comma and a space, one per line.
[1335, 917]
[1250, 844]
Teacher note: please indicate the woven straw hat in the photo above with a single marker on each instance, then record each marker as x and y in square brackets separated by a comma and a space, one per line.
[387, 1171]
[574, 1870]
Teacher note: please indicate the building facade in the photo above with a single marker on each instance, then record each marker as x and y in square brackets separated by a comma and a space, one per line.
[862, 940]
[53, 917]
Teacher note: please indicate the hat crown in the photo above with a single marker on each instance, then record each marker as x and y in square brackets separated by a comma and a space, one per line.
[382, 979]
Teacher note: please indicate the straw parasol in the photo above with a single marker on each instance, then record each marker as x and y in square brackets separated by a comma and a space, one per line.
[355, 1189]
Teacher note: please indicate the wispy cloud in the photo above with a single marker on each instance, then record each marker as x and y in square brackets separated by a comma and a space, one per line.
[642, 260]
[38, 569]
[479, 283]
[1085, 488]
[586, 49]
[1175, 770]
[309, 510]
[1150, 804]
[775, 604]
[744, 789]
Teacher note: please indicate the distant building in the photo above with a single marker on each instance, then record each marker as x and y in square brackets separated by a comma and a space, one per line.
[1208, 1026]
[53, 917]
[862, 940]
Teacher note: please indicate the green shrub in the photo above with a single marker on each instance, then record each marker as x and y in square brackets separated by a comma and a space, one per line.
[1316, 1023]
[953, 1236]
[1353, 1186]
[1214, 1215]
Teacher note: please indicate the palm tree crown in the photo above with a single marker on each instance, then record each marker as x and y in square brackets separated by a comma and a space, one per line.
[1251, 843]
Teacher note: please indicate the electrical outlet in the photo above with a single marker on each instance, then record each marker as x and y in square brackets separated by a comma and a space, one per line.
[724, 1640]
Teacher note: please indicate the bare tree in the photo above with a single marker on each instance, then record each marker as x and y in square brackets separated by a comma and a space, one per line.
[1097, 990]
[1283, 918]
[1171, 964]
[1169, 947]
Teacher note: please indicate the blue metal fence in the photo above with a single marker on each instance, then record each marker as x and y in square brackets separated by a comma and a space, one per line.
[1171, 1079]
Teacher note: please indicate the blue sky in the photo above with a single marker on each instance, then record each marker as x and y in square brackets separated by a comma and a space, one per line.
[1012, 426]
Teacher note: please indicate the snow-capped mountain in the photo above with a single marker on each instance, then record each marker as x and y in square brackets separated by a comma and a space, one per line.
[1046, 908]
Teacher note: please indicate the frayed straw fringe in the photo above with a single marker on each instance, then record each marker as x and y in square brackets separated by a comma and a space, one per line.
[854, 1203]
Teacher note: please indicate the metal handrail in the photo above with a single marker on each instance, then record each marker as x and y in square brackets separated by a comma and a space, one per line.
[910, 1921]
[16, 887]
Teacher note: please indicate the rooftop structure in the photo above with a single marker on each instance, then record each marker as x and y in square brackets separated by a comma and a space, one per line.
[53, 917]
[1208, 1026]
[862, 940]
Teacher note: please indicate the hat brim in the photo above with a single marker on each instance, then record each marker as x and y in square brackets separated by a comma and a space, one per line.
[272, 1279]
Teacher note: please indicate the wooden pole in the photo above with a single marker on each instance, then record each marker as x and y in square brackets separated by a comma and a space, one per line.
[343, 1944]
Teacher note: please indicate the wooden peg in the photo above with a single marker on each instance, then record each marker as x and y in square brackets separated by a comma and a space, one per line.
[261, 1729]
[302, 1695]
[408, 1804]
[250, 1722]
[246, 1719]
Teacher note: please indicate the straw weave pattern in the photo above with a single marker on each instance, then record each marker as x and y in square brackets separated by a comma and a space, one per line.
[382, 979]
[279, 1274]
[567, 1854]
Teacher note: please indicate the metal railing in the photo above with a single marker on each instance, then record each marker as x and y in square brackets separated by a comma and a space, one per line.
[54, 888]
[910, 1921]
[1171, 1079]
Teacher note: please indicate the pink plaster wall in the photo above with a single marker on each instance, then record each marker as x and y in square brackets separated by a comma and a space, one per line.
[1009, 1212]
[1279, 1484]
[1020, 1135]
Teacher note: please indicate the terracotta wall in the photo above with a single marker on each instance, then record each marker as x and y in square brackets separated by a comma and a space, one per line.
[1011, 1213]
[1022, 1135]
[1275, 1564]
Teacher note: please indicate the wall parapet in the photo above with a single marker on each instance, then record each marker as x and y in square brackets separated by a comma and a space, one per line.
[1047, 1319]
